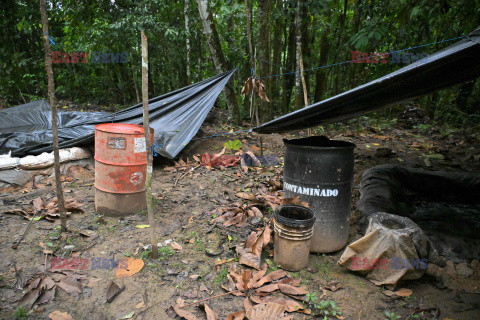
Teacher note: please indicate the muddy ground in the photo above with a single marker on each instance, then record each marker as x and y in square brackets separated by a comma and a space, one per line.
[184, 202]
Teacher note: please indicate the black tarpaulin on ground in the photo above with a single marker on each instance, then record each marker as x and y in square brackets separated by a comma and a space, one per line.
[175, 117]
[453, 65]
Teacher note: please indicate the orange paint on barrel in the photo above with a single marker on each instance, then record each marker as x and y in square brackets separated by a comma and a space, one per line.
[120, 168]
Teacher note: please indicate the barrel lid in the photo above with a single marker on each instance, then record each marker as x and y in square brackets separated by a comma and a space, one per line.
[125, 128]
[318, 142]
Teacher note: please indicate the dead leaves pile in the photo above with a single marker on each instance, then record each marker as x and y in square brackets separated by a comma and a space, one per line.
[267, 296]
[220, 160]
[182, 165]
[184, 314]
[258, 287]
[257, 86]
[47, 210]
[249, 255]
[41, 290]
[237, 213]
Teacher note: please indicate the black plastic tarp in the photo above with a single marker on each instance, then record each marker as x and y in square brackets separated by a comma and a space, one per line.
[455, 64]
[175, 117]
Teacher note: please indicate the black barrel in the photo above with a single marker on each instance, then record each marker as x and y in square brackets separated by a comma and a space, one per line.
[320, 172]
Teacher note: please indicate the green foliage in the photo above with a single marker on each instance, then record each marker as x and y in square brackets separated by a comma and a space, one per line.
[222, 275]
[165, 252]
[422, 127]
[233, 145]
[21, 314]
[322, 308]
[391, 316]
[145, 254]
[114, 27]
[327, 308]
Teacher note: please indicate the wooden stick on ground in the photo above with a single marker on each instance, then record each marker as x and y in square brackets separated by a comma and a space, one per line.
[191, 304]
[15, 245]
[209, 298]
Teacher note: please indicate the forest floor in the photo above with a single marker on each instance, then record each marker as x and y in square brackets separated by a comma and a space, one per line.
[196, 254]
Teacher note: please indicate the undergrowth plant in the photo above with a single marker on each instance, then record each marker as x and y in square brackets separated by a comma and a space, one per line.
[322, 308]
[391, 316]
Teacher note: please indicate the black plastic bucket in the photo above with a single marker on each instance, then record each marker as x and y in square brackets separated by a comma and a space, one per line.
[293, 226]
[320, 172]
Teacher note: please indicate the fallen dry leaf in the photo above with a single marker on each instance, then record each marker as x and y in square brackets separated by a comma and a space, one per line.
[246, 195]
[133, 266]
[289, 304]
[37, 204]
[70, 285]
[389, 293]
[210, 314]
[272, 276]
[176, 246]
[240, 315]
[333, 285]
[47, 297]
[258, 240]
[58, 315]
[267, 311]
[248, 258]
[184, 314]
[404, 292]
[113, 290]
[291, 290]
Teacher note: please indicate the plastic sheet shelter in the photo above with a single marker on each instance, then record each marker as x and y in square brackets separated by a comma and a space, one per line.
[175, 117]
[455, 64]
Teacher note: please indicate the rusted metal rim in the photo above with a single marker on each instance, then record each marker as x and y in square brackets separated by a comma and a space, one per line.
[119, 164]
[118, 192]
[290, 234]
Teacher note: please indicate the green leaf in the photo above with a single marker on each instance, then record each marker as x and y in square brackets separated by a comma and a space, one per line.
[142, 226]
[128, 316]
[233, 145]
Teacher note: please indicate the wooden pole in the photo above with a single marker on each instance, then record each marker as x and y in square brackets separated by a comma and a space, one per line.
[53, 104]
[148, 138]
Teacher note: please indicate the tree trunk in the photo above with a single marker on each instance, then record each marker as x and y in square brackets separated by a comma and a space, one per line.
[357, 14]
[219, 61]
[53, 104]
[134, 78]
[248, 14]
[290, 65]
[308, 42]
[148, 143]
[277, 54]
[187, 31]
[321, 74]
[298, 41]
[340, 42]
[263, 45]
[199, 58]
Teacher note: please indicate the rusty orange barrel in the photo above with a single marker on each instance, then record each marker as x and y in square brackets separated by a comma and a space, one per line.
[120, 168]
